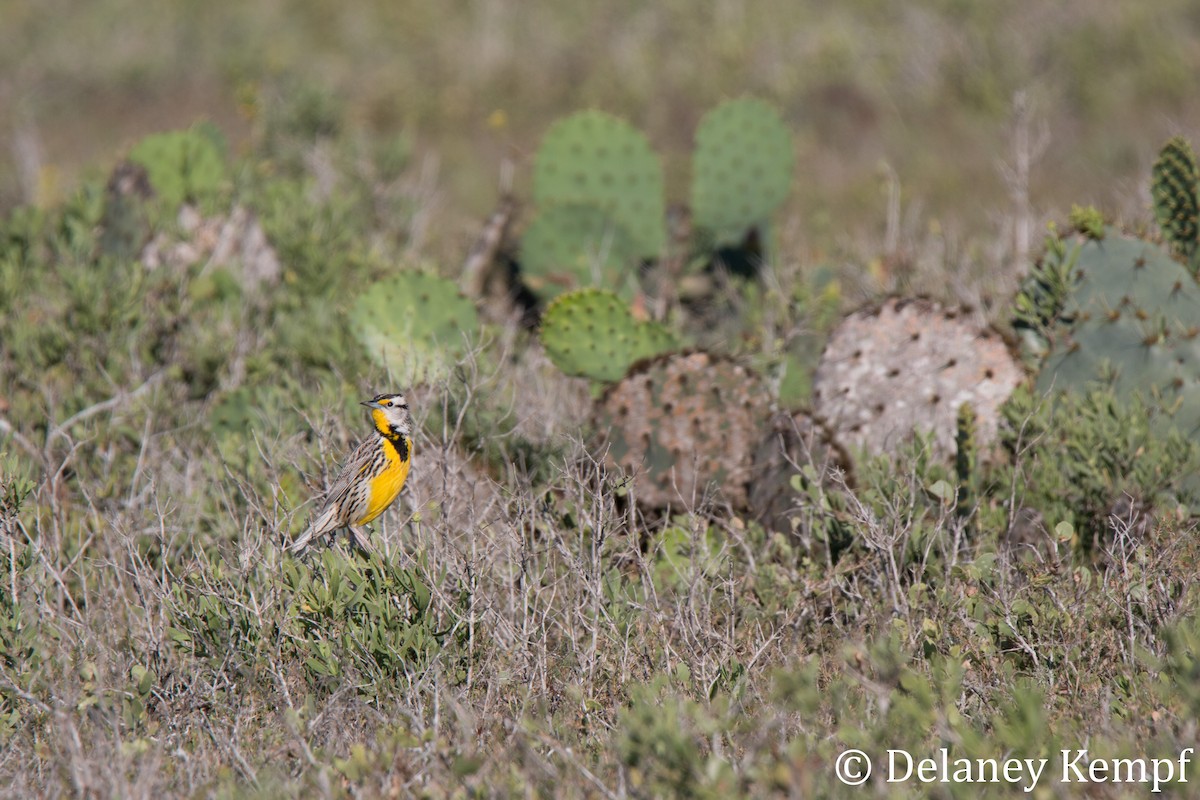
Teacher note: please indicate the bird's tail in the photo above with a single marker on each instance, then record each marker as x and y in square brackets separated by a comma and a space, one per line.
[316, 527]
[300, 543]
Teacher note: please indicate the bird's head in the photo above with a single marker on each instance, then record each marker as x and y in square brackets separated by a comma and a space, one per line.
[390, 414]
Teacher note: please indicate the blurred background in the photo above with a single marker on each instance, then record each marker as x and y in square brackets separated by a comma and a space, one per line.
[935, 117]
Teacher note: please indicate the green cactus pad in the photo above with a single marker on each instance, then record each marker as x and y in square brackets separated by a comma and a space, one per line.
[1174, 185]
[592, 334]
[184, 166]
[415, 324]
[742, 168]
[683, 424]
[576, 246]
[596, 159]
[1132, 320]
[910, 364]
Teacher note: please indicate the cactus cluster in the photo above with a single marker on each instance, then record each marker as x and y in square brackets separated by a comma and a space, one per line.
[685, 423]
[1175, 187]
[591, 333]
[911, 364]
[183, 166]
[415, 324]
[601, 206]
[1131, 318]
[741, 169]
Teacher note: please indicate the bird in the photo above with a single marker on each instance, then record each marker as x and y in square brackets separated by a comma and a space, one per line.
[370, 479]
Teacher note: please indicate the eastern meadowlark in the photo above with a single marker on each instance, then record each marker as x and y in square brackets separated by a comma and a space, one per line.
[371, 478]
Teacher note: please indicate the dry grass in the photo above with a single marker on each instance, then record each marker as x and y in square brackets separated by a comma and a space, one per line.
[587, 649]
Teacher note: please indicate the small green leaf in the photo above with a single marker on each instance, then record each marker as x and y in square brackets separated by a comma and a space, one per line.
[143, 678]
[943, 491]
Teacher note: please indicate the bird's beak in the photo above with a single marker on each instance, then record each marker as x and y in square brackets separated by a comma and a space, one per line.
[370, 404]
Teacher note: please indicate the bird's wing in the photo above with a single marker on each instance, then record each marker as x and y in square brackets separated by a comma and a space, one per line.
[334, 512]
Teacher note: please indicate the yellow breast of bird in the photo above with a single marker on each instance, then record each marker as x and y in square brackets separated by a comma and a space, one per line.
[387, 484]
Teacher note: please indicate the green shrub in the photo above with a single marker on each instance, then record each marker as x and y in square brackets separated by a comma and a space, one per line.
[370, 621]
[1085, 458]
[660, 742]
[24, 644]
[343, 618]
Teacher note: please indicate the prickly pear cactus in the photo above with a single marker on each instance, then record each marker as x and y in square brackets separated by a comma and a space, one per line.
[592, 334]
[742, 168]
[184, 166]
[596, 159]
[415, 324]
[683, 423]
[910, 364]
[1131, 319]
[576, 246]
[1040, 302]
[1174, 185]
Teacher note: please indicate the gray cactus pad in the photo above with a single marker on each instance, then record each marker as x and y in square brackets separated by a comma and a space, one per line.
[910, 364]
